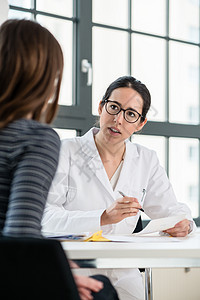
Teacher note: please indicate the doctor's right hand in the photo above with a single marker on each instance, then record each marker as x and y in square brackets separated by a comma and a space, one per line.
[119, 210]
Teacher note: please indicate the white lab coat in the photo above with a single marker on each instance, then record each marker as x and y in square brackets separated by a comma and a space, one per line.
[81, 191]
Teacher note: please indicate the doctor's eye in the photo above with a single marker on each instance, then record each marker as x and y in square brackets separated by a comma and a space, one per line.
[131, 115]
[113, 107]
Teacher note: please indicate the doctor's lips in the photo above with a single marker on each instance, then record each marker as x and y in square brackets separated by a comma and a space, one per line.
[114, 129]
[123, 195]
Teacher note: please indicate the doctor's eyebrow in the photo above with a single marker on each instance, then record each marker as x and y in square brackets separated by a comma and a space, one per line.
[129, 108]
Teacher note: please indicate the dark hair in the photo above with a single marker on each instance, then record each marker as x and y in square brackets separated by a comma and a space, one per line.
[130, 82]
[31, 66]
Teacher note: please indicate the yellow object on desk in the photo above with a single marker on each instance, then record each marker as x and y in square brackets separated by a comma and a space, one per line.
[97, 237]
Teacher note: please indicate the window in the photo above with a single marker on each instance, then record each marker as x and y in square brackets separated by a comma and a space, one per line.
[193, 193]
[184, 170]
[157, 41]
[183, 88]
[193, 153]
[58, 19]
[156, 143]
[65, 133]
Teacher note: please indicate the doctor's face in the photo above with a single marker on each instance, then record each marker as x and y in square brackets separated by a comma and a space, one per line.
[114, 126]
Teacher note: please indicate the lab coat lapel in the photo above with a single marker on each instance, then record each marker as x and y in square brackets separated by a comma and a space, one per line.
[93, 161]
[128, 173]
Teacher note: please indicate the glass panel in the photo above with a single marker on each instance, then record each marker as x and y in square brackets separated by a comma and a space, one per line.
[149, 16]
[21, 3]
[65, 133]
[107, 12]
[4, 8]
[63, 7]
[184, 171]
[109, 62]
[62, 30]
[184, 83]
[156, 143]
[184, 20]
[148, 65]
[16, 14]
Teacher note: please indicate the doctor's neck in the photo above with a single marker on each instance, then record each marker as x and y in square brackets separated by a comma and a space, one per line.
[109, 151]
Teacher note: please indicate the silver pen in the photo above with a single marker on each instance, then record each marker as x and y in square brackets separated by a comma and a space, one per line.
[121, 193]
[143, 194]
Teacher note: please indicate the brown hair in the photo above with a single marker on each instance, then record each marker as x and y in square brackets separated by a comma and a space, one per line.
[31, 65]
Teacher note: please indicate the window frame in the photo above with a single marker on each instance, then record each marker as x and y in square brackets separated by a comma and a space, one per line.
[79, 116]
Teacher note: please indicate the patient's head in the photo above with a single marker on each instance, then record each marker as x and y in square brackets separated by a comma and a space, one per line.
[31, 65]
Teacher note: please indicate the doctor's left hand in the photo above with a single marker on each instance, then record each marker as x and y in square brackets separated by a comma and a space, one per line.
[181, 229]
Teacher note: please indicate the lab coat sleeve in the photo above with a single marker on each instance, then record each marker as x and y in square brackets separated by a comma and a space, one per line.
[160, 200]
[58, 220]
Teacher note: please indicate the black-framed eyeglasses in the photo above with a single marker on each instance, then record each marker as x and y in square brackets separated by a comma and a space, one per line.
[130, 114]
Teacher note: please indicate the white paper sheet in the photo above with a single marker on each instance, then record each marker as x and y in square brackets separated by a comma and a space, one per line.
[161, 224]
[156, 238]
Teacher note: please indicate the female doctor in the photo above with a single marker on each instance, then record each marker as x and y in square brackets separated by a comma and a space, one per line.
[95, 168]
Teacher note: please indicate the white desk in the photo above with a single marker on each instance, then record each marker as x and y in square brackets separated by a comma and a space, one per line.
[141, 255]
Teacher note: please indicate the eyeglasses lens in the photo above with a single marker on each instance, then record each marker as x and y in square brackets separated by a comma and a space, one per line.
[130, 116]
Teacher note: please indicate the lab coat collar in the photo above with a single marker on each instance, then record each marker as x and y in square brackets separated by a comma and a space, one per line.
[129, 172]
[88, 144]
[94, 162]
[88, 138]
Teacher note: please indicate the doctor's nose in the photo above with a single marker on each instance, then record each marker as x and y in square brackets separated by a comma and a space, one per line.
[119, 117]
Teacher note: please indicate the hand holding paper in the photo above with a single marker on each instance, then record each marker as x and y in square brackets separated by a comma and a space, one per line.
[161, 224]
[181, 229]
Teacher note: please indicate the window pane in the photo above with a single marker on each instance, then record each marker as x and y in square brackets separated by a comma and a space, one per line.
[156, 143]
[65, 133]
[148, 65]
[107, 12]
[149, 16]
[109, 62]
[16, 14]
[184, 83]
[61, 7]
[184, 171]
[21, 3]
[4, 8]
[184, 20]
[62, 30]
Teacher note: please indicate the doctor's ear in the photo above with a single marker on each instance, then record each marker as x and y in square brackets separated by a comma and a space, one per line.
[141, 125]
[100, 107]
